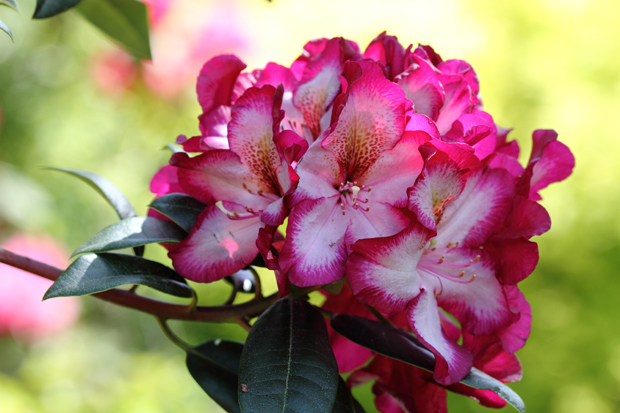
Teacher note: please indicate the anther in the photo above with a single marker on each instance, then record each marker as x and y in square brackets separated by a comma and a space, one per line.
[461, 274]
[438, 294]
[343, 213]
[477, 258]
[442, 259]
[221, 207]
[457, 244]
[472, 278]
[367, 209]
[449, 245]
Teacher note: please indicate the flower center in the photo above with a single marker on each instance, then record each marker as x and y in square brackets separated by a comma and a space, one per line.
[354, 196]
[433, 262]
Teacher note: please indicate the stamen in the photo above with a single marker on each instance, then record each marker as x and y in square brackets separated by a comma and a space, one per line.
[221, 207]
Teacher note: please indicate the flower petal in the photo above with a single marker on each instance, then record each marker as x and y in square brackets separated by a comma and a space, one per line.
[382, 271]
[219, 176]
[387, 51]
[314, 252]
[478, 303]
[396, 170]
[250, 134]
[320, 85]
[372, 120]
[422, 87]
[216, 81]
[217, 246]
[441, 183]
[452, 362]
[481, 208]
[458, 101]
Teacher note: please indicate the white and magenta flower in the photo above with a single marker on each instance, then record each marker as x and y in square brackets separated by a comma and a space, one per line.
[353, 180]
[392, 175]
[244, 187]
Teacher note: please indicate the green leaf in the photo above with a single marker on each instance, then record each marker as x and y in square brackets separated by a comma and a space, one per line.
[49, 8]
[109, 192]
[133, 232]
[6, 29]
[181, 208]
[93, 273]
[287, 364]
[125, 21]
[216, 371]
[345, 402]
[106, 188]
[9, 3]
[400, 345]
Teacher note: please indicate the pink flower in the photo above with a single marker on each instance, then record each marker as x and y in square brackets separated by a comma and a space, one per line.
[22, 313]
[453, 257]
[179, 48]
[353, 180]
[244, 186]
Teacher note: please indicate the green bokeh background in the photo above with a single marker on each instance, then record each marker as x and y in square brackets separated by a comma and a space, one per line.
[542, 64]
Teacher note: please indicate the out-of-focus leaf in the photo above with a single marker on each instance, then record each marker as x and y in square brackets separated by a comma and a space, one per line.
[345, 402]
[243, 281]
[400, 345]
[287, 364]
[181, 208]
[125, 21]
[9, 3]
[106, 188]
[93, 273]
[217, 371]
[132, 232]
[49, 8]
[6, 29]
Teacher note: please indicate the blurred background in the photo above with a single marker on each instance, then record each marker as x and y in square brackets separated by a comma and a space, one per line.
[71, 98]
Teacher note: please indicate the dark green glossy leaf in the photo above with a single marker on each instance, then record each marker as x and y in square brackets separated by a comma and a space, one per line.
[106, 188]
[125, 21]
[400, 345]
[287, 363]
[132, 232]
[6, 29]
[217, 371]
[181, 208]
[93, 273]
[49, 8]
[9, 3]
[345, 402]
[243, 281]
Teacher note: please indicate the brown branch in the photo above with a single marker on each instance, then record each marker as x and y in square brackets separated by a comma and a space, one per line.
[147, 305]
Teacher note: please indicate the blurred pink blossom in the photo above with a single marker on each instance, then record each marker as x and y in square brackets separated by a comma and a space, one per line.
[22, 313]
[179, 46]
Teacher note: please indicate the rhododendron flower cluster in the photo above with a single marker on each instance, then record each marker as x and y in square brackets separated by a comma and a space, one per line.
[393, 178]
